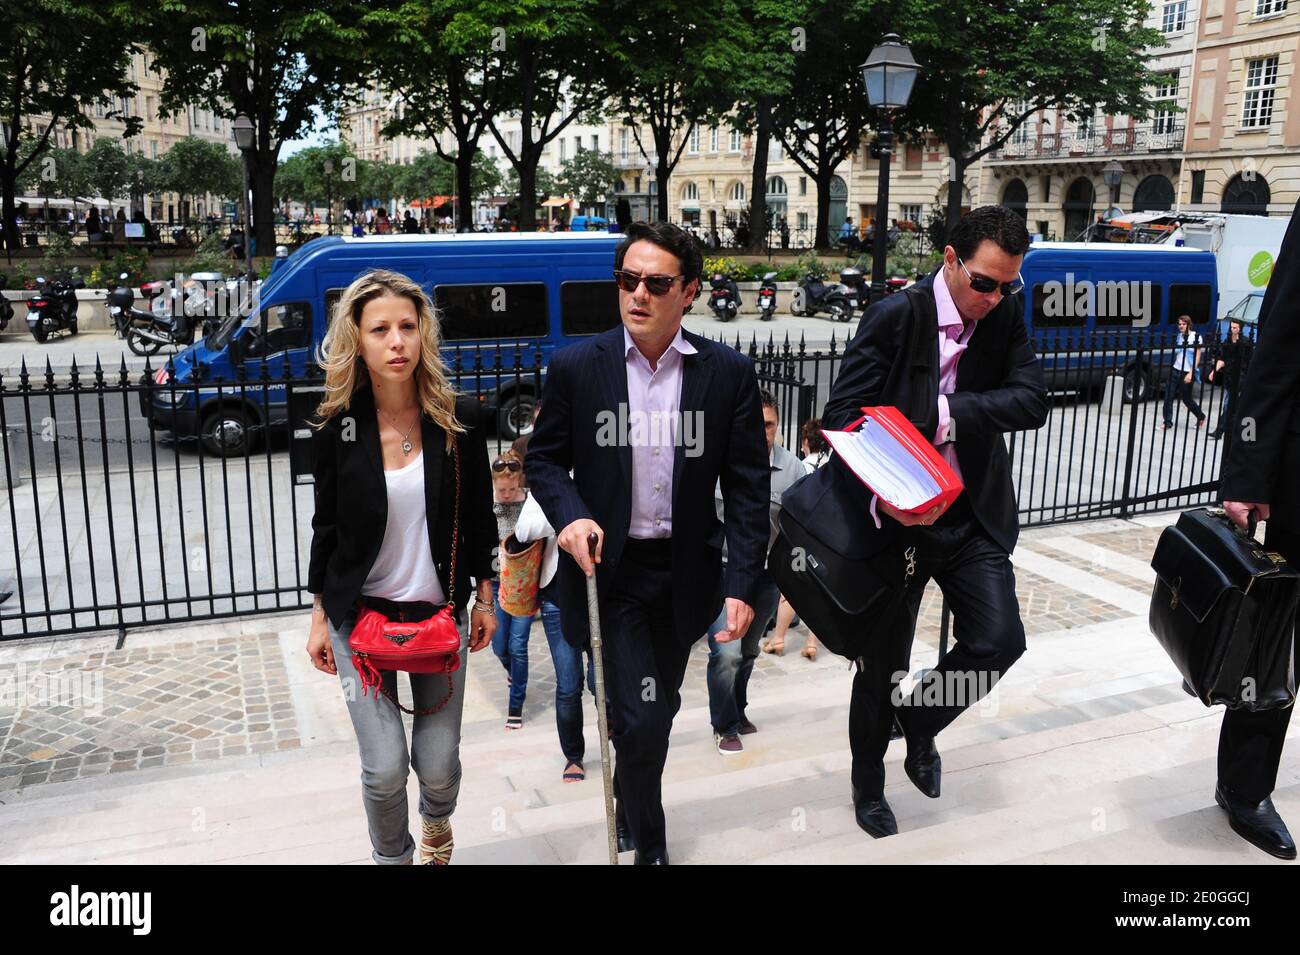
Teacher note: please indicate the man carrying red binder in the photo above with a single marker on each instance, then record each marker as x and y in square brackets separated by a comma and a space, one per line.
[952, 355]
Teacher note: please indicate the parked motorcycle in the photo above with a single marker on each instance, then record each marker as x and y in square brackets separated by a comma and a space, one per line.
[120, 302]
[146, 332]
[54, 307]
[767, 297]
[6, 306]
[724, 300]
[816, 296]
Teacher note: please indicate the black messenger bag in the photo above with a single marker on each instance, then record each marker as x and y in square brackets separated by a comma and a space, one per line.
[843, 577]
[1224, 610]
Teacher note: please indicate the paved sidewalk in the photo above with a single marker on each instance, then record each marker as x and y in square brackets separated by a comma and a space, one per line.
[219, 743]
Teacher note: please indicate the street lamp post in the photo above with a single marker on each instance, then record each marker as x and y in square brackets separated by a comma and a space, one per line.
[889, 75]
[243, 129]
[1113, 174]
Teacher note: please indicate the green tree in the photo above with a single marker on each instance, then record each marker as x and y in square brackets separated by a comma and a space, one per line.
[197, 167]
[821, 119]
[58, 58]
[539, 78]
[667, 63]
[437, 79]
[976, 88]
[544, 185]
[428, 174]
[588, 177]
[274, 61]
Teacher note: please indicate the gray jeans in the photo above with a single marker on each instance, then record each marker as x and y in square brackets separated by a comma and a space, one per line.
[381, 738]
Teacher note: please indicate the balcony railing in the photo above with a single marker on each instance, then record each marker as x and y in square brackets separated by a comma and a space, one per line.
[1123, 141]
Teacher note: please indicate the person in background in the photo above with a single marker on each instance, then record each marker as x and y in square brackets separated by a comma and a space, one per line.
[1185, 369]
[1230, 364]
[732, 663]
[816, 452]
[510, 643]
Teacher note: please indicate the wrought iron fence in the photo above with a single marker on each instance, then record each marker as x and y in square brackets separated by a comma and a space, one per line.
[135, 499]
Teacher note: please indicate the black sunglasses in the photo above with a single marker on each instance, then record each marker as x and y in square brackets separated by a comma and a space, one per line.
[500, 466]
[655, 284]
[983, 284]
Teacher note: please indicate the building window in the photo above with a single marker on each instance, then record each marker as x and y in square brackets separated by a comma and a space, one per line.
[1269, 8]
[595, 143]
[693, 146]
[1198, 185]
[1165, 92]
[1261, 84]
[713, 139]
[563, 151]
[622, 141]
[910, 213]
[738, 192]
[733, 141]
[1173, 17]
[912, 156]
[691, 192]
[1084, 128]
[803, 185]
[802, 221]
[774, 153]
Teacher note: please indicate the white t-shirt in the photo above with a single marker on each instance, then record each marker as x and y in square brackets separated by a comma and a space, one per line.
[404, 569]
[1185, 356]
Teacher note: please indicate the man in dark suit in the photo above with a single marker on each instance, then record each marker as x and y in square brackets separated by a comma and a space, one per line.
[1261, 473]
[650, 418]
[952, 354]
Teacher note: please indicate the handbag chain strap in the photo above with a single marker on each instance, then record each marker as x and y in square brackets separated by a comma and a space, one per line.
[455, 525]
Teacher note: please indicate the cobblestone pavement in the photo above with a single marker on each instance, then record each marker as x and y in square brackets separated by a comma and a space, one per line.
[114, 711]
[117, 711]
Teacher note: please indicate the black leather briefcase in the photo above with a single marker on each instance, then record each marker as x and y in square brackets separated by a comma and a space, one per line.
[842, 576]
[1224, 610]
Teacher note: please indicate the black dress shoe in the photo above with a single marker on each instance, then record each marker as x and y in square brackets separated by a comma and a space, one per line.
[923, 766]
[624, 837]
[1257, 823]
[874, 817]
[659, 859]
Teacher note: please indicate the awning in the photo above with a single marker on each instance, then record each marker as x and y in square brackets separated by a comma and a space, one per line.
[432, 202]
[558, 201]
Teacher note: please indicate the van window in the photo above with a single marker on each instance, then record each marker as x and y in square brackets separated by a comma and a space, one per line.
[1041, 319]
[282, 327]
[588, 308]
[495, 310]
[332, 297]
[1125, 302]
[1191, 300]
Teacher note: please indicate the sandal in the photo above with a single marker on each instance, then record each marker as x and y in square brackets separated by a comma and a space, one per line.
[573, 772]
[776, 647]
[434, 850]
[514, 722]
[810, 651]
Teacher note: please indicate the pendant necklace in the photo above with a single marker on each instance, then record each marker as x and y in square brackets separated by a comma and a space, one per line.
[406, 438]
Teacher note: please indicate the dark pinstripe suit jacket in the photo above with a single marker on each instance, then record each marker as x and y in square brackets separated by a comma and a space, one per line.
[718, 387]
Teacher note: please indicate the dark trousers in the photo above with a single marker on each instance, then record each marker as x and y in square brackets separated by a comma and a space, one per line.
[645, 661]
[976, 577]
[1175, 387]
[1250, 744]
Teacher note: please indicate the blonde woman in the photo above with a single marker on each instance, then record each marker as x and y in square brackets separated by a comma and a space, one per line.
[385, 495]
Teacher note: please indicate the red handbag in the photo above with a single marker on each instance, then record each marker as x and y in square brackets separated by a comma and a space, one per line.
[423, 646]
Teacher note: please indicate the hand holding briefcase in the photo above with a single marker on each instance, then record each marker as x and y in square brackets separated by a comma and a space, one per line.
[1224, 609]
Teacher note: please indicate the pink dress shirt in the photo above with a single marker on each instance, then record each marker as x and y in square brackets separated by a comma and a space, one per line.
[954, 335]
[654, 422]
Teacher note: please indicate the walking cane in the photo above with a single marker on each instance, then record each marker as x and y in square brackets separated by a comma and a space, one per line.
[602, 722]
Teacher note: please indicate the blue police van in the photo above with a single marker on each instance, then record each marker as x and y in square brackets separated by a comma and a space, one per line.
[498, 293]
[1094, 309]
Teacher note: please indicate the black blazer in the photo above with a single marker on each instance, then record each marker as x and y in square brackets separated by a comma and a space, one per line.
[591, 377]
[352, 504]
[999, 388]
[1263, 467]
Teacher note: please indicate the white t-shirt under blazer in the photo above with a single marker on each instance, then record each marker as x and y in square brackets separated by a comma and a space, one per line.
[404, 569]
